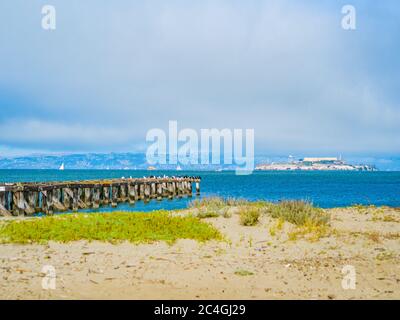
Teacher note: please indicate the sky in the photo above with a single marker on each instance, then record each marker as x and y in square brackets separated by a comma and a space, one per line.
[113, 70]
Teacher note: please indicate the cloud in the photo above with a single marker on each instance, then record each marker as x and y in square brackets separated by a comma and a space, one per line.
[59, 136]
[112, 71]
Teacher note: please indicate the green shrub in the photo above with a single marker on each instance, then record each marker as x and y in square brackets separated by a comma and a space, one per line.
[111, 227]
[243, 273]
[207, 214]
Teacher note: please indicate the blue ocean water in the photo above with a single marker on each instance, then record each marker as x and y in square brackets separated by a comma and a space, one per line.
[324, 189]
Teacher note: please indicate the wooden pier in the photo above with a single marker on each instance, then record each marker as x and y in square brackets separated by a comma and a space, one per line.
[25, 199]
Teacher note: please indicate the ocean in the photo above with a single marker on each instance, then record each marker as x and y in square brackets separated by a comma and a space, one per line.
[324, 189]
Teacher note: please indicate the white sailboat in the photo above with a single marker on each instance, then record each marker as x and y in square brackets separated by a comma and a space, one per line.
[178, 168]
[62, 167]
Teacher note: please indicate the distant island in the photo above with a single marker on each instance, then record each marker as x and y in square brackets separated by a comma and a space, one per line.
[316, 164]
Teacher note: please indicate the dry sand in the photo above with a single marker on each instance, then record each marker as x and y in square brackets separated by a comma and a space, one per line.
[281, 269]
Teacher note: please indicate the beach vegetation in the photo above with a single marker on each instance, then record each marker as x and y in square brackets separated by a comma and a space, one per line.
[249, 216]
[386, 255]
[210, 203]
[218, 202]
[112, 227]
[227, 214]
[243, 273]
[380, 216]
[236, 202]
[298, 213]
[365, 209]
[278, 226]
[272, 231]
[310, 222]
[390, 218]
[373, 236]
[211, 207]
[309, 231]
[207, 214]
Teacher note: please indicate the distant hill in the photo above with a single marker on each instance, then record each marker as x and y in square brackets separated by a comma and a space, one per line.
[99, 161]
[77, 161]
[132, 161]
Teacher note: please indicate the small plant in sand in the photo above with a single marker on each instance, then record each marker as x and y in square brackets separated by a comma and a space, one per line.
[227, 214]
[250, 241]
[243, 273]
[272, 231]
[309, 230]
[219, 251]
[390, 218]
[276, 227]
[373, 236]
[379, 215]
[386, 255]
[363, 209]
[249, 216]
[207, 214]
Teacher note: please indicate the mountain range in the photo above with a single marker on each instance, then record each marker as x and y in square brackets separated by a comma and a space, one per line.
[137, 161]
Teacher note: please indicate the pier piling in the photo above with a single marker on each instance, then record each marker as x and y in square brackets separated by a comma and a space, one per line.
[131, 193]
[197, 188]
[26, 199]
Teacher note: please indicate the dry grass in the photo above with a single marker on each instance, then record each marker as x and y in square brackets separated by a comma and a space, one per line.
[211, 203]
[299, 213]
[311, 222]
[249, 216]
[374, 236]
[386, 255]
[208, 207]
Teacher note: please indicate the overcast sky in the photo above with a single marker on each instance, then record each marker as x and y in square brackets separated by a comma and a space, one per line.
[112, 70]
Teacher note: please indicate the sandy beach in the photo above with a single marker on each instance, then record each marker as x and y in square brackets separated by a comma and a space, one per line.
[253, 263]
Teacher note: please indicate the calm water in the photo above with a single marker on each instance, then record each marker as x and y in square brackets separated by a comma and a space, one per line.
[325, 189]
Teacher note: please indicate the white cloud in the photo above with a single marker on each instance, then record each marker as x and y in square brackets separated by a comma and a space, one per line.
[287, 70]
